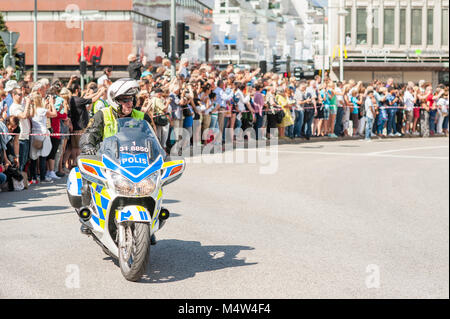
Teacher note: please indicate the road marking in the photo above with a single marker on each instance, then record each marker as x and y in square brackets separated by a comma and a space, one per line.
[34, 216]
[375, 154]
[410, 149]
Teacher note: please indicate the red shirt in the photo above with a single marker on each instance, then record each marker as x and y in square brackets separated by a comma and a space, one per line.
[430, 101]
[56, 123]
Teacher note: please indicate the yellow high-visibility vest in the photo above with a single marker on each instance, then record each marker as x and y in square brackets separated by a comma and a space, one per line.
[110, 122]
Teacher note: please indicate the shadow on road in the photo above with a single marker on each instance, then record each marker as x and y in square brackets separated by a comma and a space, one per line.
[44, 208]
[319, 146]
[174, 260]
[170, 201]
[32, 194]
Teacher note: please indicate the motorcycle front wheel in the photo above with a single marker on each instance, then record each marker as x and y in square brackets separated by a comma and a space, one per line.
[134, 250]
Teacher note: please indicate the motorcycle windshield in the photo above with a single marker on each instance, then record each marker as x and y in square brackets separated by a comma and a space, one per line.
[134, 147]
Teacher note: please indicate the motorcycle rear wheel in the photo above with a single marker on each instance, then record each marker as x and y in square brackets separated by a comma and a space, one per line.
[134, 257]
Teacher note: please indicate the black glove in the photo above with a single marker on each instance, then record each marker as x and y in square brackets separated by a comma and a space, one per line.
[89, 150]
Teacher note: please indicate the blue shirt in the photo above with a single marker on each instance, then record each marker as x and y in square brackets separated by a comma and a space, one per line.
[4, 139]
[188, 120]
[354, 101]
[389, 99]
[8, 101]
[223, 96]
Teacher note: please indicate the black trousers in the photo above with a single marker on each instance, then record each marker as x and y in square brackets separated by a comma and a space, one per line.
[42, 168]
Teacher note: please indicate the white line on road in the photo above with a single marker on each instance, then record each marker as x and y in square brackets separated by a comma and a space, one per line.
[375, 154]
[410, 149]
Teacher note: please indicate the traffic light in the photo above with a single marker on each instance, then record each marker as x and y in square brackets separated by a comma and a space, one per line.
[83, 67]
[276, 64]
[263, 66]
[182, 36]
[288, 65]
[298, 73]
[164, 35]
[20, 57]
[96, 59]
[287, 74]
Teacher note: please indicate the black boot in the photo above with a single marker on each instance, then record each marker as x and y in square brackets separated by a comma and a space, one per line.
[153, 240]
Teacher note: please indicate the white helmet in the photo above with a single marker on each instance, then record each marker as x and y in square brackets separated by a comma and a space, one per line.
[121, 88]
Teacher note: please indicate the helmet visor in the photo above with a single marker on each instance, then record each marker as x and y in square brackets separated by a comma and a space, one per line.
[124, 99]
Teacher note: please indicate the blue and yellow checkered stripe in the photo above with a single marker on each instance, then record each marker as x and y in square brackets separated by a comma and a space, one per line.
[101, 199]
[79, 180]
[157, 209]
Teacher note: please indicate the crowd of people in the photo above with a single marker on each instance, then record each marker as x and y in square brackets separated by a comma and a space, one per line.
[41, 122]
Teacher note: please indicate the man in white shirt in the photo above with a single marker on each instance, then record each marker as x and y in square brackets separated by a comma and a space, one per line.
[301, 100]
[224, 95]
[339, 128]
[24, 113]
[106, 75]
[409, 99]
[370, 113]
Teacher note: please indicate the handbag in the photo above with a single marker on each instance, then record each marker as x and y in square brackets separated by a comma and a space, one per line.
[18, 185]
[161, 120]
[37, 143]
[279, 116]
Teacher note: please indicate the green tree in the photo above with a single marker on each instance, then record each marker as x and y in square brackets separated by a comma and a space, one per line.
[3, 27]
[3, 48]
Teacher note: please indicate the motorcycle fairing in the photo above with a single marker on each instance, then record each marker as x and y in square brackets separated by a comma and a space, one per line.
[74, 182]
[93, 169]
[155, 223]
[138, 173]
[101, 200]
[133, 213]
[172, 168]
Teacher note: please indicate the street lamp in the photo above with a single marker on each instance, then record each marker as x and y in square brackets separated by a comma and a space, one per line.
[341, 13]
[83, 15]
[320, 10]
[35, 67]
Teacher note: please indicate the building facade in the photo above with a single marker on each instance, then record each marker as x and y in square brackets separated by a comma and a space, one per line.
[119, 27]
[246, 32]
[403, 39]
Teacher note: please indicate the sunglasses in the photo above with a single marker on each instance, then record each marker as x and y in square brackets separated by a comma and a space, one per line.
[125, 100]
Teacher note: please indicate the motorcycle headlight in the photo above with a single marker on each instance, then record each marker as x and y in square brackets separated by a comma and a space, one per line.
[125, 187]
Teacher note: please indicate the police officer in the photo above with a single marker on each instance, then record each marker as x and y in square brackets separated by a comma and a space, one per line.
[121, 101]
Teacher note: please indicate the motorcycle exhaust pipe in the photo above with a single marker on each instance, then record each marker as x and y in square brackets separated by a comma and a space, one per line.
[85, 213]
[164, 214]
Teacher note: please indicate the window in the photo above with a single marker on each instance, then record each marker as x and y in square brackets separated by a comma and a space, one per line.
[389, 26]
[430, 26]
[402, 26]
[348, 26]
[416, 26]
[274, 5]
[375, 26]
[361, 27]
[444, 27]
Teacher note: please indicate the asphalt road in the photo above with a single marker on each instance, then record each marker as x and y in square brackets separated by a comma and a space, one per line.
[342, 219]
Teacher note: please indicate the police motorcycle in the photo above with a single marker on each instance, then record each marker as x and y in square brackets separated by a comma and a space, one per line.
[118, 193]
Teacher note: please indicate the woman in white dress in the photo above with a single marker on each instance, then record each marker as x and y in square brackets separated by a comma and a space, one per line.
[41, 145]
